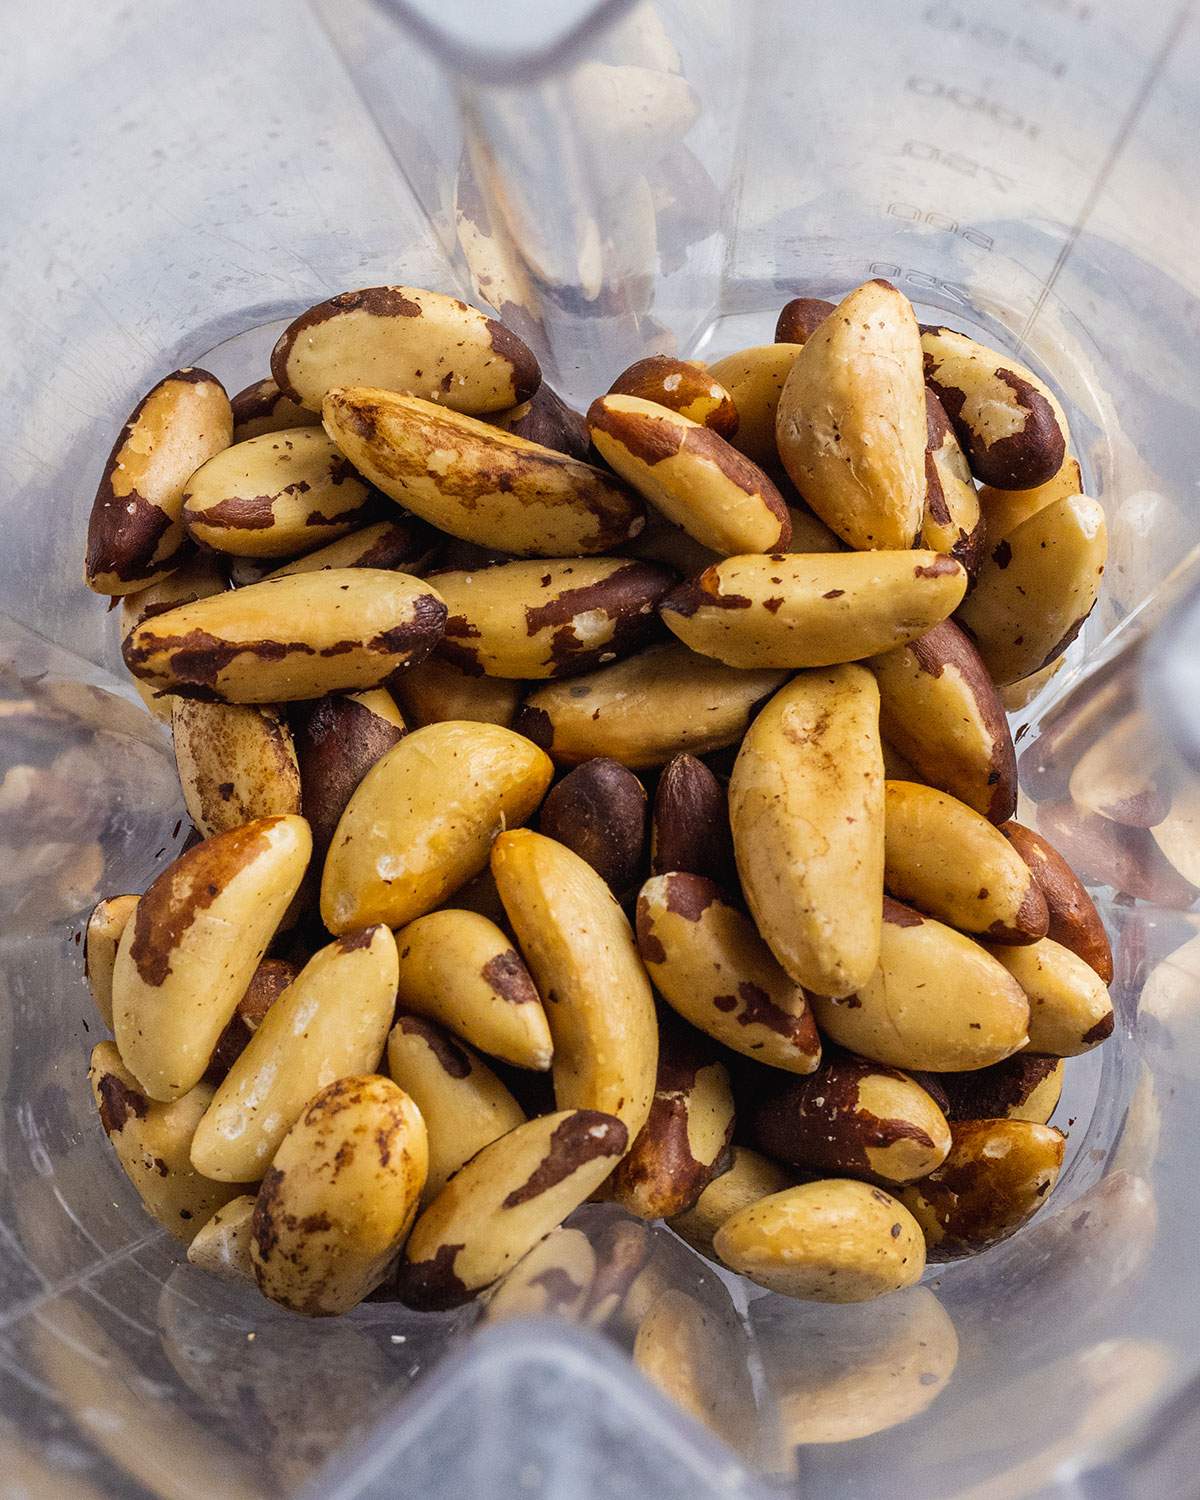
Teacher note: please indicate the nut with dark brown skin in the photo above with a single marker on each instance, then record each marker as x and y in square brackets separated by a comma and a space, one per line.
[135, 535]
[687, 1140]
[800, 318]
[436, 690]
[269, 981]
[547, 419]
[1024, 1087]
[599, 811]
[338, 739]
[996, 1177]
[852, 1118]
[938, 707]
[682, 385]
[405, 339]
[689, 826]
[262, 407]
[1073, 919]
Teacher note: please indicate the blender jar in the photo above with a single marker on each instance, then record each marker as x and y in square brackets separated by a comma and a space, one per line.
[615, 180]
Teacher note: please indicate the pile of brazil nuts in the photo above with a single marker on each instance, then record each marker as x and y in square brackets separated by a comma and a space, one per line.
[775, 965]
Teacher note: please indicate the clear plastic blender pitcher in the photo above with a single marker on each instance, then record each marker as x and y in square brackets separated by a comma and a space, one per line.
[614, 180]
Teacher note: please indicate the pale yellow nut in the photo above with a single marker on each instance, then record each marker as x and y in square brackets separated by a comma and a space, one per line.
[812, 610]
[478, 483]
[1015, 696]
[236, 763]
[275, 495]
[405, 544]
[135, 533]
[152, 1141]
[711, 966]
[829, 1241]
[331, 1021]
[695, 1352]
[459, 968]
[198, 578]
[464, 1105]
[553, 1280]
[1070, 1010]
[755, 378]
[435, 690]
[195, 940]
[289, 638]
[695, 478]
[946, 859]
[748, 1178]
[647, 709]
[851, 426]
[222, 1245]
[551, 618]
[1037, 587]
[105, 925]
[262, 407]
[936, 1001]
[1004, 510]
[997, 1175]
[339, 1197]
[582, 955]
[504, 1201]
[405, 339]
[422, 820]
[806, 808]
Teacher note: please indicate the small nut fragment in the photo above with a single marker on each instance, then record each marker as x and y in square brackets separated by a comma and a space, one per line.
[222, 1245]
[599, 811]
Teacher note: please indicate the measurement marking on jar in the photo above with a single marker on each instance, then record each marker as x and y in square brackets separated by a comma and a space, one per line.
[926, 151]
[911, 214]
[922, 280]
[973, 103]
[999, 38]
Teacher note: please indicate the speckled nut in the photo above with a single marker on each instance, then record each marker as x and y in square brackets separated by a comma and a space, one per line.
[1036, 588]
[1009, 423]
[464, 1105]
[152, 1141]
[332, 1020]
[405, 339]
[435, 690]
[547, 419]
[460, 969]
[953, 520]
[710, 965]
[688, 1138]
[645, 710]
[806, 806]
[339, 1198]
[695, 478]
[266, 985]
[555, 618]
[937, 1000]
[748, 1178]
[504, 1201]
[422, 821]
[275, 495]
[852, 1117]
[832, 1241]
[851, 427]
[578, 945]
[996, 1177]
[105, 925]
[236, 762]
[694, 1351]
[948, 861]
[689, 826]
[682, 385]
[800, 318]
[552, 1281]
[195, 940]
[599, 811]
[1073, 919]
[1004, 510]
[1070, 1010]
[755, 377]
[135, 534]
[405, 545]
[478, 483]
[812, 610]
[222, 1245]
[939, 709]
[289, 638]
[338, 739]
[1024, 1087]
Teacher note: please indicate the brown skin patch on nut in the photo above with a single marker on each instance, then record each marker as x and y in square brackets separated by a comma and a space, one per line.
[678, 385]
[800, 318]
[580, 1138]
[627, 597]
[536, 725]
[552, 423]
[691, 822]
[117, 1102]
[431, 1285]
[505, 975]
[900, 915]
[937, 425]
[241, 512]
[689, 896]
[1102, 1029]
[1073, 919]
[188, 887]
[337, 742]
[992, 1093]
[941, 567]
[263, 1229]
[526, 373]
[935, 495]
[598, 810]
[649, 943]
[702, 592]
[758, 1009]
[644, 437]
[1021, 461]
[1032, 918]
[450, 1056]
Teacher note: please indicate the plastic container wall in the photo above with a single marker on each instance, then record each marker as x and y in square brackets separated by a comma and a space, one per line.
[179, 185]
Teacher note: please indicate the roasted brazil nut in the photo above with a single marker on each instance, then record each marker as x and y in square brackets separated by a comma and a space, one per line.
[1073, 919]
